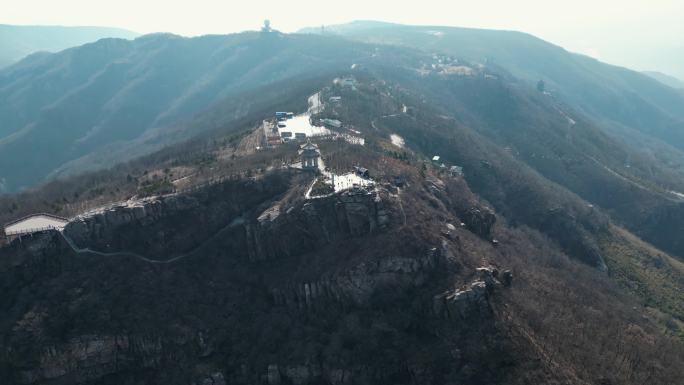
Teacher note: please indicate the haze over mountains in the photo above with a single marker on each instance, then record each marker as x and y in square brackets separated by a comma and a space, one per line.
[516, 217]
[80, 101]
[18, 41]
[603, 91]
[666, 79]
[113, 92]
[113, 100]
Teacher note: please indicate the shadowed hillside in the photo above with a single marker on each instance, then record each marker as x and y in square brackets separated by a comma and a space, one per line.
[435, 278]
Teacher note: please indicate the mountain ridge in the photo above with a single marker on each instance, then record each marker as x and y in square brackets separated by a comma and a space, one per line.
[598, 89]
[666, 79]
[19, 41]
[121, 78]
[378, 283]
[655, 112]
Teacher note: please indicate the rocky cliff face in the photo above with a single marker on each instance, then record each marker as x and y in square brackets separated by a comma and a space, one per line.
[100, 227]
[358, 285]
[284, 231]
[168, 226]
[331, 268]
[90, 357]
[471, 300]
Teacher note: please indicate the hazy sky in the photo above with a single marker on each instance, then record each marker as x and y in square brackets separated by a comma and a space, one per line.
[642, 34]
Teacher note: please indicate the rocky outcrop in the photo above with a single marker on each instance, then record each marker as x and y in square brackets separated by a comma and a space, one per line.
[220, 318]
[301, 374]
[91, 357]
[273, 375]
[460, 304]
[473, 300]
[477, 218]
[215, 378]
[164, 227]
[284, 231]
[306, 374]
[574, 236]
[358, 285]
[363, 211]
[98, 226]
[480, 221]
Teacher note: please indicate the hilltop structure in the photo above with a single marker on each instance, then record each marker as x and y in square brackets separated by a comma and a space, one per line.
[309, 153]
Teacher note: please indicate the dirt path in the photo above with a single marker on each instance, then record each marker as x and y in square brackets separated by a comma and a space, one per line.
[673, 198]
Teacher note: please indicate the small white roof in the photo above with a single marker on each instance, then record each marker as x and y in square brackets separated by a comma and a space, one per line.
[435, 158]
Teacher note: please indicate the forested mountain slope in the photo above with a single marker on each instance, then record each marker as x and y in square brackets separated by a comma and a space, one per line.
[666, 79]
[60, 107]
[427, 277]
[635, 108]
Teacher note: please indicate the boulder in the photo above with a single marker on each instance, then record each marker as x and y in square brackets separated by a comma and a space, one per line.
[462, 303]
[489, 275]
[507, 278]
[480, 221]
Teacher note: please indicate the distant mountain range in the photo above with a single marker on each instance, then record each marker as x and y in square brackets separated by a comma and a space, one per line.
[57, 108]
[623, 98]
[18, 41]
[665, 79]
[104, 102]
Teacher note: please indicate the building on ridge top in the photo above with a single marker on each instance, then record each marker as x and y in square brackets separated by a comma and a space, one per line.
[331, 123]
[309, 153]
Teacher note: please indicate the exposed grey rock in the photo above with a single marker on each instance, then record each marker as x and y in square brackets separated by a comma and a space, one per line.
[358, 284]
[339, 376]
[507, 278]
[97, 224]
[461, 303]
[273, 375]
[271, 214]
[480, 221]
[488, 275]
[314, 223]
[472, 300]
[215, 378]
[91, 357]
[299, 375]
